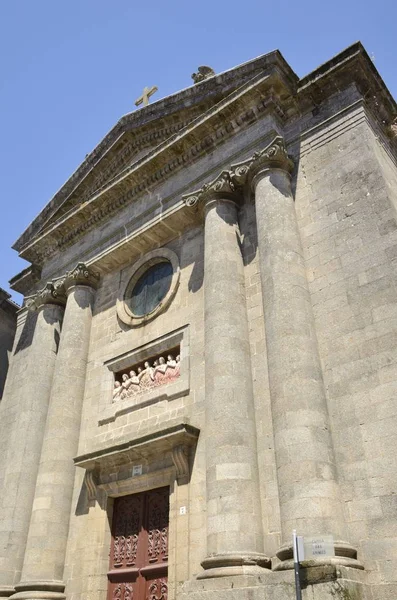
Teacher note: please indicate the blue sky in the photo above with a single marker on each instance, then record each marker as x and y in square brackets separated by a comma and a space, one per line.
[70, 69]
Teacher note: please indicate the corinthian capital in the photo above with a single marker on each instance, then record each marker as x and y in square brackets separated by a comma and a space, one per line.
[81, 275]
[50, 294]
[274, 156]
[220, 187]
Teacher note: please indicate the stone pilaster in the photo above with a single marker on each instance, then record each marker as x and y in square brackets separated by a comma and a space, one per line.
[234, 528]
[308, 489]
[43, 565]
[26, 438]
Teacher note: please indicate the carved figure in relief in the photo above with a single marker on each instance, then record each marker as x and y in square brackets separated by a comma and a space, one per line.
[162, 365]
[144, 378]
[160, 371]
[171, 362]
[117, 390]
[133, 382]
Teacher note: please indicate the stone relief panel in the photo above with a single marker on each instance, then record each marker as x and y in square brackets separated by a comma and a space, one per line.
[151, 374]
[158, 370]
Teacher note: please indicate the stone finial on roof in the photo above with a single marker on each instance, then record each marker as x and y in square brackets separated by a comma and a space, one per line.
[203, 73]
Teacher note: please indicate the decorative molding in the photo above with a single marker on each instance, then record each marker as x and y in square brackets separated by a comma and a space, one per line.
[50, 294]
[81, 275]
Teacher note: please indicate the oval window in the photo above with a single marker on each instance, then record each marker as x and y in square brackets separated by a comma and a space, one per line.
[151, 288]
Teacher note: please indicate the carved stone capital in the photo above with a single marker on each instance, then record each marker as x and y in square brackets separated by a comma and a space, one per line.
[274, 156]
[50, 294]
[239, 172]
[81, 275]
[222, 187]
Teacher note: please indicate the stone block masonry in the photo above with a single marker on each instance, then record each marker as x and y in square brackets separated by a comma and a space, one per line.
[271, 200]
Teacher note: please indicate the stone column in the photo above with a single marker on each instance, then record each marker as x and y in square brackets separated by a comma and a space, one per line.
[308, 489]
[31, 393]
[43, 565]
[234, 528]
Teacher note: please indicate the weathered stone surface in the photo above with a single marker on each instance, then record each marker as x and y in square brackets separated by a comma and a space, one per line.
[8, 325]
[32, 387]
[234, 530]
[284, 316]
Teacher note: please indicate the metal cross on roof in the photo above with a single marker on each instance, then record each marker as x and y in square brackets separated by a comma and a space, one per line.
[147, 92]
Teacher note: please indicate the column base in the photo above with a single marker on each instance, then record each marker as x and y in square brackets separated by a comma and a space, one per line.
[6, 591]
[318, 584]
[225, 565]
[39, 590]
[345, 556]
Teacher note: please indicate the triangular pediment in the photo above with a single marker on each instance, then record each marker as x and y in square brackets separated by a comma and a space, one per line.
[126, 146]
[139, 133]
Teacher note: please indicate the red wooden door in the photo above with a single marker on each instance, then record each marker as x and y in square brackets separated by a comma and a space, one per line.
[139, 549]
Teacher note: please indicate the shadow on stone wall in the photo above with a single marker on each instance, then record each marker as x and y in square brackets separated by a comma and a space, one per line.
[26, 337]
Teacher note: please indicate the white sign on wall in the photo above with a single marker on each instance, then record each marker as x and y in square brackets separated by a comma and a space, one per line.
[318, 547]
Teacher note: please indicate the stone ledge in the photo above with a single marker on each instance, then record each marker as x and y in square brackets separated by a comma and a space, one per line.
[155, 443]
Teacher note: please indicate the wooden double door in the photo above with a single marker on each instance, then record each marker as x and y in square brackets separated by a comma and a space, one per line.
[139, 548]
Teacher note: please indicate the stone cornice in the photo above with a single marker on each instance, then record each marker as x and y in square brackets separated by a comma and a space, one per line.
[240, 109]
[351, 66]
[25, 281]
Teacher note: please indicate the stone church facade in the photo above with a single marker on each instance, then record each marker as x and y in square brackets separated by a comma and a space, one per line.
[206, 355]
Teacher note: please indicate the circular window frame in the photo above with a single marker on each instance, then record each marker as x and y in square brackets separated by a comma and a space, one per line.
[150, 259]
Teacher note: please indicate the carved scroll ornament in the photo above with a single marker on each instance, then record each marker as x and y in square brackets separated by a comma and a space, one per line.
[223, 184]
